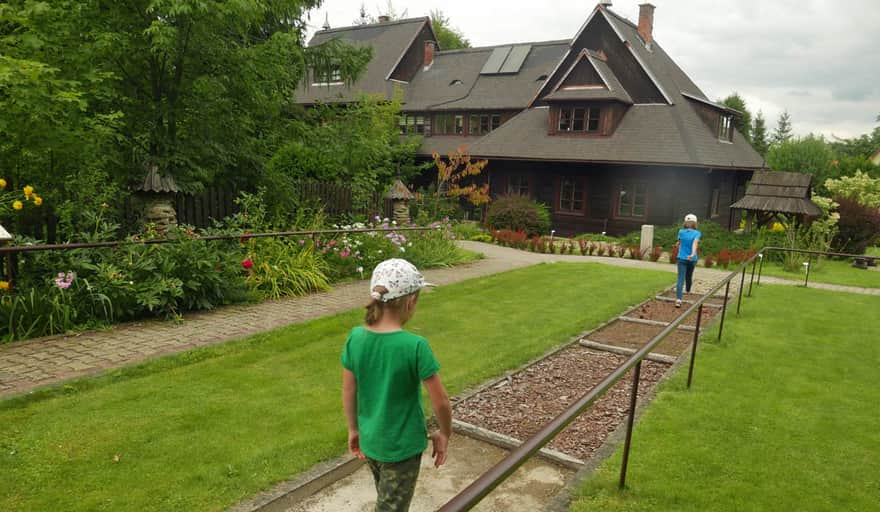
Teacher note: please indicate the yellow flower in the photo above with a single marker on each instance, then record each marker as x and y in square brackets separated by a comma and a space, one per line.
[2, 183]
[38, 200]
[17, 205]
[4, 285]
[28, 191]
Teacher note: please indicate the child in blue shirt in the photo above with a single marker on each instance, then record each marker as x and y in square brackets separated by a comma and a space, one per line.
[688, 244]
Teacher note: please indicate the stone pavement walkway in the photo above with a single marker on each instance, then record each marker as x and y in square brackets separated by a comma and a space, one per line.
[25, 366]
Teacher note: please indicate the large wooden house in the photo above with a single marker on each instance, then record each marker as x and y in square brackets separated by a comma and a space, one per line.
[603, 127]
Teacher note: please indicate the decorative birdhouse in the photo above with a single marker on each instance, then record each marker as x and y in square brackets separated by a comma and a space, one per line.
[400, 197]
[158, 192]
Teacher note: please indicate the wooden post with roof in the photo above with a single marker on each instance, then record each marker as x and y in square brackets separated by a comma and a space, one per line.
[158, 191]
[774, 193]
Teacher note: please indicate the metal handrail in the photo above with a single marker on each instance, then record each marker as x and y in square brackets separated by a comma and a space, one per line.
[492, 478]
[87, 245]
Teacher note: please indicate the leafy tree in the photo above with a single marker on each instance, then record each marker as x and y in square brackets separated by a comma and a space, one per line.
[358, 144]
[58, 119]
[861, 188]
[455, 177]
[783, 129]
[742, 122]
[449, 37]
[810, 155]
[759, 134]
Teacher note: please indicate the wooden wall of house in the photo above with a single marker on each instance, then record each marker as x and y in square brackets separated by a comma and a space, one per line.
[672, 193]
[414, 57]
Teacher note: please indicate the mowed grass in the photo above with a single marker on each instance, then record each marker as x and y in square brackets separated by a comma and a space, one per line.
[205, 429]
[782, 416]
[829, 271]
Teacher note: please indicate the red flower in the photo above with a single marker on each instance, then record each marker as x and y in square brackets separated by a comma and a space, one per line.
[247, 264]
[218, 268]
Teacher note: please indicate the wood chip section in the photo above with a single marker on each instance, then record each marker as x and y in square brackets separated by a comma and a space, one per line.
[525, 402]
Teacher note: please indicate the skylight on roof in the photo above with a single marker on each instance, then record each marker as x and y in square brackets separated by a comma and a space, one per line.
[456, 82]
[506, 60]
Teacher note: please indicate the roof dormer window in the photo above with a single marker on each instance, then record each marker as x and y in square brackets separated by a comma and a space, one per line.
[579, 119]
[541, 78]
[456, 82]
[725, 128]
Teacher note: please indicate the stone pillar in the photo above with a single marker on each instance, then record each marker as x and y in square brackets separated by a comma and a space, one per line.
[400, 211]
[160, 212]
[647, 238]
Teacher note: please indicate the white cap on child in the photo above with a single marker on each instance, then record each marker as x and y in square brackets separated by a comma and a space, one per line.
[399, 277]
[690, 218]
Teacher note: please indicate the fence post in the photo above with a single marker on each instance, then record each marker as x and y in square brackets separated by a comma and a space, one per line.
[752, 280]
[808, 264]
[723, 310]
[760, 267]
[742, 284]
[694, 346]
[629, 423]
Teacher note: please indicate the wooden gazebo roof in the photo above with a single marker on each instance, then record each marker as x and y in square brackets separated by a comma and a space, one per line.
[779, 192]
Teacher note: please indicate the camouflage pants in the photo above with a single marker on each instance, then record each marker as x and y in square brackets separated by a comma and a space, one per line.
[395, 483]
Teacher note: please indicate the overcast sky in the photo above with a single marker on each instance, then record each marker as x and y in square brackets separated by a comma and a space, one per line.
[818, 59]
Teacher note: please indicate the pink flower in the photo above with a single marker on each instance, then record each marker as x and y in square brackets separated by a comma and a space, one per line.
[247, 264]
[64, 281]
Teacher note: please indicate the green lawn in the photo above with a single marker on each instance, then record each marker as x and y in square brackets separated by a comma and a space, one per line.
[202, 430]
[829, 271]
[782, 416]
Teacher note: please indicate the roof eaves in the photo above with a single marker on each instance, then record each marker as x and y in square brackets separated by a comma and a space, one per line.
[407, 47]
[648, 71]
[372, 25]
[711, 103]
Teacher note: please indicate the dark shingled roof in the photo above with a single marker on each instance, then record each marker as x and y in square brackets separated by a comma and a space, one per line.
[661, 134]
[156, 182]
[434, 88]
[446, 144]
[389, 42]
[779, 192]
[613, 89]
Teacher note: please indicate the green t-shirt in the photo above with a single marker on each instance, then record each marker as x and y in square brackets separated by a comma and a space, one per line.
[389, 369]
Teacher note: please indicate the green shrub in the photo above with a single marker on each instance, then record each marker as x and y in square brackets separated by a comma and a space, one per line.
[466, 230]
[518, 213]
[482, 237]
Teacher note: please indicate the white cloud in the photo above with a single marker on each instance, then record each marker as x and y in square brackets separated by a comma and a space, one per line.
[817, 59]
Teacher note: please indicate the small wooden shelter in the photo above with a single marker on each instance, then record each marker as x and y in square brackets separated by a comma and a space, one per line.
[400, 197]
[774, 193]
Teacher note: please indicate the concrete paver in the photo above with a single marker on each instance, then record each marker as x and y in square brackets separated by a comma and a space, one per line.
[25, 366]
[526, 491]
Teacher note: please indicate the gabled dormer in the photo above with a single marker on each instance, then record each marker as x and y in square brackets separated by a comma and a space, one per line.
[588, 99]
[719, 118]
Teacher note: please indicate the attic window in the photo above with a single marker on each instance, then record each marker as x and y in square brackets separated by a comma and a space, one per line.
[456, 82]
[541, 78]
[725, 128]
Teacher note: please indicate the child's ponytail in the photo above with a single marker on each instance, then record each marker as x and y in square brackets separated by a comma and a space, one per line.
[376, 306]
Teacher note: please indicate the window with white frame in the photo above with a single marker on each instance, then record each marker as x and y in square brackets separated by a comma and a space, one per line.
[518, 184]
[571, 195]
[725, 128]
[412, 124]
[715, 208]
[632, 200]
[579, 119]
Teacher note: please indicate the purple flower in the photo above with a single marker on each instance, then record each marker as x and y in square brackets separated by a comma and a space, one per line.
[64, 281]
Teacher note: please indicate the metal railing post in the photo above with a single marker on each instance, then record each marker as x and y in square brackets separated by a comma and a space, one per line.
[752, 279]
[760, 267]
[742, 284]
[723, 310]
[694, 346]
[809, 264]
[629, 423]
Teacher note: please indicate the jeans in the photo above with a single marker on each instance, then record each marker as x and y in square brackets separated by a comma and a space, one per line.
[685, 273]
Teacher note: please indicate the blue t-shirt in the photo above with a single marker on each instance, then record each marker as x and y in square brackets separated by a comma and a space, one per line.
[686, 239]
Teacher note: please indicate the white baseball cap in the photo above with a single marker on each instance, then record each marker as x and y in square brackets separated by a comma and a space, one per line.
[690, 218]
[399, 277]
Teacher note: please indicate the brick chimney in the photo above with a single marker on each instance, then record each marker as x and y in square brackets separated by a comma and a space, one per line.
[429, 54]
[646, 23]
